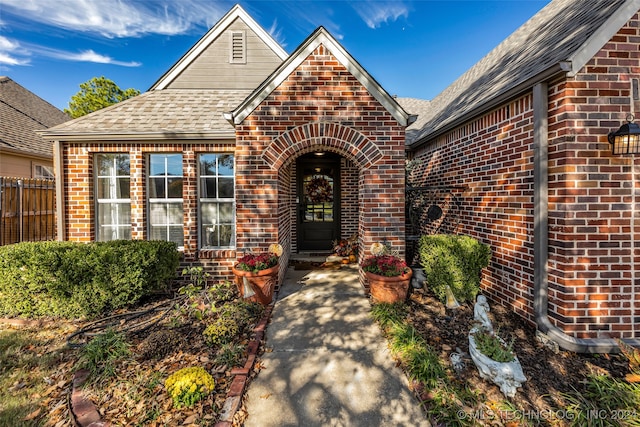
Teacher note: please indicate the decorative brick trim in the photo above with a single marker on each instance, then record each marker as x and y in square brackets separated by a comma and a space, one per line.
[325, 136]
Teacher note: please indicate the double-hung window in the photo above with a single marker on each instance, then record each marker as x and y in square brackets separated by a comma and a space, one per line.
[113, 203]
[165, 198]
[217, 200]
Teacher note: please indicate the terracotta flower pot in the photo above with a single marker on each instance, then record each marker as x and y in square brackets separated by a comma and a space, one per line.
[389, 289]
[257, 286]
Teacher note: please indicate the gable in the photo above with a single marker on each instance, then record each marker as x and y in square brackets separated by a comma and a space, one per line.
[235, 54]
[320, 37]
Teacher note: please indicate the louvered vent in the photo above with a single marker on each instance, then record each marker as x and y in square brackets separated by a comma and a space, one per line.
[238, 48]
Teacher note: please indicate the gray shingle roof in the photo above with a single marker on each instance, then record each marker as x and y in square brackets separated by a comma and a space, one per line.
[419, 107]
[562, 32]
[21, 113]
[157, 114]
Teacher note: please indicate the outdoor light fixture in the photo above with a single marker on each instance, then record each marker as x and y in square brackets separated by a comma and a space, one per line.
[626, 140]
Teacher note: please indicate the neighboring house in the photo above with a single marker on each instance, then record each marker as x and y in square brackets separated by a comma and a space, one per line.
[23, 153]
[240, 145]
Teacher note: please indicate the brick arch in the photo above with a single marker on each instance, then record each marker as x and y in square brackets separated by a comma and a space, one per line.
[332, 137]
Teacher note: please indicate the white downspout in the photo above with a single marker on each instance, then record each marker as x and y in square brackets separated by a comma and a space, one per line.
[541, 239]
[59, 175]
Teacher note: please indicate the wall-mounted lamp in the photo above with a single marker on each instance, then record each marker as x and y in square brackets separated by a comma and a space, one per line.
[626, 140]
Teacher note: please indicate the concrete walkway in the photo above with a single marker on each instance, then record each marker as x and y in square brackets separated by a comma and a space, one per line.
[327, 363]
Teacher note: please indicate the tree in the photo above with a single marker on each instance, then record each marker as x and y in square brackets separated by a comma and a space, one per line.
[95, 94]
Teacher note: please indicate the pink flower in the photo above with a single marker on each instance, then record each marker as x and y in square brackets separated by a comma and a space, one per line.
[385, 265]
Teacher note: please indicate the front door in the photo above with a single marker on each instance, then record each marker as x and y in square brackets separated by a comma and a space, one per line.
[318, 201]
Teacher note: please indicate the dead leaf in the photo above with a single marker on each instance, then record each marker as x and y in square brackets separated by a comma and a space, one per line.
[32, 415]
[633, 378]
[265, 396]
[191, 419]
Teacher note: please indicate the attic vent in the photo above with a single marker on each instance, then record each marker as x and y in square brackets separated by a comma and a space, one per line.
[238, 48]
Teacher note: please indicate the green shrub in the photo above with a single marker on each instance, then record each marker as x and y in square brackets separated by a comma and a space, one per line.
[189, 385]
[230, 354]
[243, 312]
[68, 279]
[453, 260]
[222, 331]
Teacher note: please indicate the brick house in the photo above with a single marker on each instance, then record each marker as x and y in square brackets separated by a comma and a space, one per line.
[520, 143]
[240, 145]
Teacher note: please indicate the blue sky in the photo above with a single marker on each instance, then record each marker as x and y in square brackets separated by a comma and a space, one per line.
[412, 48]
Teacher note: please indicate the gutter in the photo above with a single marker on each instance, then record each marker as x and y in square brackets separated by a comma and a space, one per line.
[541, 240]
[158, 137]
[24, 153]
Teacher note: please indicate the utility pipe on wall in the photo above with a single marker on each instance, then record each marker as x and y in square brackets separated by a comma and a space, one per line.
[541, 239]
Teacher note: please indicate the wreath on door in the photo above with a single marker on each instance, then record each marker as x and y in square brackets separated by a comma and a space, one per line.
[319, 190]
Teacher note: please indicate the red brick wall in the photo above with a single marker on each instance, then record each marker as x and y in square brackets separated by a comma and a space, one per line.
[320, 106]
[348, 198]
[80, 201]
[594, 227]
[594, 272]
[492, 157]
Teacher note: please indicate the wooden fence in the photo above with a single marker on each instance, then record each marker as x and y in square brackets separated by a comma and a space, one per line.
[27, 210]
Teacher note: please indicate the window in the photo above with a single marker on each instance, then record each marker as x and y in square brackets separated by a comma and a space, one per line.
[113, 220]
[43, 172]
[238, 49]
[217, 203]
[165, 198]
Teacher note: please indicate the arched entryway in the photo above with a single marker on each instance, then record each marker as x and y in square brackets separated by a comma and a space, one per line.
[348, 161]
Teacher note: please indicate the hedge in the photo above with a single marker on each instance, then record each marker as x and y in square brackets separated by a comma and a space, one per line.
[73, 280]
[454, 260]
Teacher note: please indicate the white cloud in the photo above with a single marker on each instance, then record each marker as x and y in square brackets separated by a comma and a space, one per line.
[11, 53]
[119, 18]
[91, 56]
[84, 56]
[374, 14]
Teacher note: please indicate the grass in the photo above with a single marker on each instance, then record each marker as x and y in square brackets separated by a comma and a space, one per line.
[102, 354]
[28, 359]
[605, 401]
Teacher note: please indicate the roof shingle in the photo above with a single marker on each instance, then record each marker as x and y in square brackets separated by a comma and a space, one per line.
[167, 111]
[550, 40]
[21, 113]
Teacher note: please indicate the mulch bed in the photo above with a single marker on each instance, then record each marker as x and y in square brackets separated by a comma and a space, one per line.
[548, 373]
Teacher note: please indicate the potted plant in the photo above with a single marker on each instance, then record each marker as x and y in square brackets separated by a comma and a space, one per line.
[257, 274]
[496, 360]
[346, 249]
[387, 274]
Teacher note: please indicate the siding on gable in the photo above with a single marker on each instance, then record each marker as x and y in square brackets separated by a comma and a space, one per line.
[214, 70]
[594, 196]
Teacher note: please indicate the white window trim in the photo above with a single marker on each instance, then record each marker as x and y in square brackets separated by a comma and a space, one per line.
[113, 179]
[156, 200]
[217, 200]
